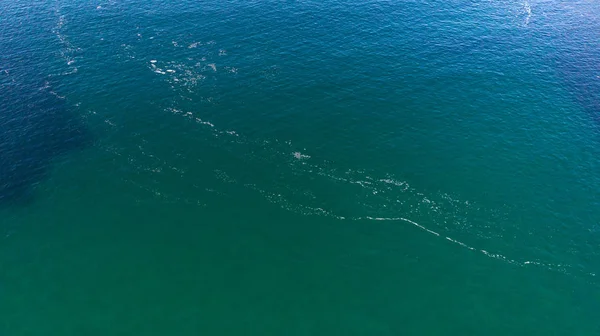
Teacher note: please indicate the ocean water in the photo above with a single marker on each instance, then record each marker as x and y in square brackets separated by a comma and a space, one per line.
[333, 167]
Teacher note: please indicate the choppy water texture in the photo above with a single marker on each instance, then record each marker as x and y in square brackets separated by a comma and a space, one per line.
[299, 168]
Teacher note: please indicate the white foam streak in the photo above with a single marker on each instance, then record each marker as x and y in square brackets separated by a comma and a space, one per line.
[556, 267]
[484, 252]
[404, 220]
[527, 9]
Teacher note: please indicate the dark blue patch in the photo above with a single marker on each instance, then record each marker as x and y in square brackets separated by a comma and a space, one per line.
[35, 128]
[580, 70]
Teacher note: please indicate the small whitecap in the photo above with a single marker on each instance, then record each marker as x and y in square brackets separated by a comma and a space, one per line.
[300, 156]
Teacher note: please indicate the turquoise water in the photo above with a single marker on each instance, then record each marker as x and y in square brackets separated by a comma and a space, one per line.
[299, 168]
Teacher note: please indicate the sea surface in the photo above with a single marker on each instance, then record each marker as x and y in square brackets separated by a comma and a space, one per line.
[331, 167]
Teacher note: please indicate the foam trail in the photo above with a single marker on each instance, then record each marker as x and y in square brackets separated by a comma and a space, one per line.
[486, 253]
[404, 220]
[527, 9]
[555, 267]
